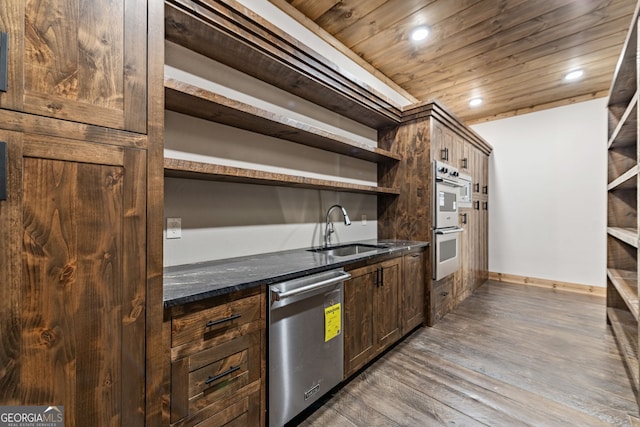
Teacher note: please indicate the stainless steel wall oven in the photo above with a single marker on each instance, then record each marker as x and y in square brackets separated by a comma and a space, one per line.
[446, 231]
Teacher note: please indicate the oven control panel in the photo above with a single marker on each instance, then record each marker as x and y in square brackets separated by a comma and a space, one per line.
[446, 172]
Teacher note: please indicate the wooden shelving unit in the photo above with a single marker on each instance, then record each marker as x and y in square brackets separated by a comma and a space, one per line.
[185, 98]
[622, 205]
[177, 168]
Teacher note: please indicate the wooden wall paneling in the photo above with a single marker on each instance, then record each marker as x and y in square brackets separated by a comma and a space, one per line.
[157, 354]
[88, 67]
[10, 272]
[407, 216]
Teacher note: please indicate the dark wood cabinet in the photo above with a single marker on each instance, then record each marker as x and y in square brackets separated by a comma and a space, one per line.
[83, 61]
[81, 292]
[445, 144]
[413, 290]
[371, 312]
[73, 323]
[218, 360]
[432, 133]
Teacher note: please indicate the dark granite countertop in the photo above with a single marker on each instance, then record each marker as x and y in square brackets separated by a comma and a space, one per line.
[193, 282]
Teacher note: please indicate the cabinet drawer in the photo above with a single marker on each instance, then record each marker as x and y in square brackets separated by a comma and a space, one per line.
[207, 380]
[216, 324]
[441, 295]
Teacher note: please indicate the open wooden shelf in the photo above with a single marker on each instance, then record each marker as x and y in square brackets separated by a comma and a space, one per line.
[627, 235]
[625, 133]
[625, 329]
[177, 168]
[260, 49]
[188, 99]
[626, 283]
[626, 181]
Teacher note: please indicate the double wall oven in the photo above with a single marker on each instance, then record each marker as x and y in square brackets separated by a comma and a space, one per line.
[446, 229]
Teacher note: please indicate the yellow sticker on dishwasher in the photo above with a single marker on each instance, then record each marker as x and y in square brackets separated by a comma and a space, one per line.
[332, 322]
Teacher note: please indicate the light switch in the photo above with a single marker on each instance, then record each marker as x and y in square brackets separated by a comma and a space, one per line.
[174, 228]
[364, 219]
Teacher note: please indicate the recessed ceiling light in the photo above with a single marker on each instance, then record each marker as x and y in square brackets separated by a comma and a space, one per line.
[420, 33]
[573, 75]
[475, 102]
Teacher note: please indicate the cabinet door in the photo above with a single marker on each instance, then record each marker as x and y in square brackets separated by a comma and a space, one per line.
[485, 175]
[359, 344]
[443, 143]
[388, 325]
[464, 152]
[413, 291]
[82, 292]
[78, 60]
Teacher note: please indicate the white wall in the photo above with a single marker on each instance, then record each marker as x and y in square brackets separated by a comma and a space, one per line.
[547, 198]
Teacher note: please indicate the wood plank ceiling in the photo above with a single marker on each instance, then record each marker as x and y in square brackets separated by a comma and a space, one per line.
[511, 53]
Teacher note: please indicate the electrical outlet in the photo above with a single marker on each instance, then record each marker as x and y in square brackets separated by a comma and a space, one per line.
[364, 219]
[174, 228]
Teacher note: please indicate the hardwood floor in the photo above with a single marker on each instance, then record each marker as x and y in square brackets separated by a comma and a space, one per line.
[510, 355]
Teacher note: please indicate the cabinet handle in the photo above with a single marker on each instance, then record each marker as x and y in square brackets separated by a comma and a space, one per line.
[382, 277]
[444, 154]
[3, 170]
[226, 319]
[476, 205]
[415, 255]
[485, 189]
[223, 374]
[485, 206]
[465, 163]
[464, 218]
[4, 60]
[476, 187]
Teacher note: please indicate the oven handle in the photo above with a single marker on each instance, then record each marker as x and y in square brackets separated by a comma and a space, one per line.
[450, 182]
[449, 230]
[277, 296]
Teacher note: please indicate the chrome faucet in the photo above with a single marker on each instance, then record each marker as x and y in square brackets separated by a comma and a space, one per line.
[329, 226]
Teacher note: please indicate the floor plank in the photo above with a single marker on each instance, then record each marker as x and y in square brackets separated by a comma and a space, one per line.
[510, 355]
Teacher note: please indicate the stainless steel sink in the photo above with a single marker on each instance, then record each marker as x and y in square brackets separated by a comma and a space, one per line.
[348, 249]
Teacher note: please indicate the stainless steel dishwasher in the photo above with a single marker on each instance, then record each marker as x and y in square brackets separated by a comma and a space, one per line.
[306, 343]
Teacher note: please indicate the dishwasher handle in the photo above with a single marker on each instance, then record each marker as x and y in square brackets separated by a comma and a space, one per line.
[277, 295]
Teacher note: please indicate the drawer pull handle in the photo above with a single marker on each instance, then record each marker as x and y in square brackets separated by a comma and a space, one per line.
[415, 255]
[226, 319]
[444, 294]
[213, 378]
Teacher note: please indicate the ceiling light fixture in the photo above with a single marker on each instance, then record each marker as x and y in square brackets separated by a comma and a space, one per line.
[420, 33]
[475, 102]
[573, 75]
